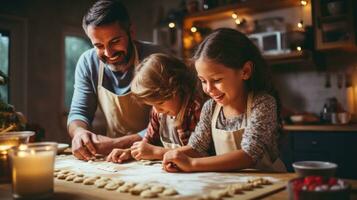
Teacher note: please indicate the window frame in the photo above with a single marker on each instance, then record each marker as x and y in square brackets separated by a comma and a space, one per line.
[18, 62]
[67, 31]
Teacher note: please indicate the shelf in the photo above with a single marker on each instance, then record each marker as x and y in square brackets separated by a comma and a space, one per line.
[248, 7]
[292, 57]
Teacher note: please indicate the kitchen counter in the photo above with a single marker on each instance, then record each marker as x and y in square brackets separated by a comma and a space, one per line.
[323, 128]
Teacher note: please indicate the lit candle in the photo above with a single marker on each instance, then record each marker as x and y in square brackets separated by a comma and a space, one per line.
[32, 170]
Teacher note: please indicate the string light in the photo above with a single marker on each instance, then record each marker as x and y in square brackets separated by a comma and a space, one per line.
[172, 25]
[193, 29]
[234, 15]
[238, 21]
[300, 24]
[298, 48]
[303, 2]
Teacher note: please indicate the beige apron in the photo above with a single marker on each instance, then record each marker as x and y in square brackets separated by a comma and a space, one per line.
[124, 116]
[168, 133]
[227, 141]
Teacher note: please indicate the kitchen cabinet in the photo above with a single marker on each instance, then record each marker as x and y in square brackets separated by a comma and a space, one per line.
[334, 24]
[332, 146]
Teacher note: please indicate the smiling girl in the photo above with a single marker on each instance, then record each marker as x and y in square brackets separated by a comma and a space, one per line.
[241, 120]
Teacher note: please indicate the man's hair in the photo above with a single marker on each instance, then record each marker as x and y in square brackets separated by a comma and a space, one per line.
[106, 12]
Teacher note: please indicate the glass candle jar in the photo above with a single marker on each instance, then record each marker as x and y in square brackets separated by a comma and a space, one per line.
[7, 141]
[32, 168]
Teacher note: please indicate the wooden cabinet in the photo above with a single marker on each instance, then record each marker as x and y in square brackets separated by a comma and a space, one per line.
[337, 147]
[334, 24]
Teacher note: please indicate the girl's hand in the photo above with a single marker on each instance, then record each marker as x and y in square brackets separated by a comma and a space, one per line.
[175, 161]
[143, 150]
[119, 155]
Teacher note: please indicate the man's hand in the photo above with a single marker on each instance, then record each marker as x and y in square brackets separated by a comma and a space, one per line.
[86, 144]
[82, 145]
[119, 155]
[175, 161]
[143, 150]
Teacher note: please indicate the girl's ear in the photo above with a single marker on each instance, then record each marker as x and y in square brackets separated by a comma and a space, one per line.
[247, 70]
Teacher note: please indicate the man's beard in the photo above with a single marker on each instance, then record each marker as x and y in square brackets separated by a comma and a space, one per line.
[118, 66]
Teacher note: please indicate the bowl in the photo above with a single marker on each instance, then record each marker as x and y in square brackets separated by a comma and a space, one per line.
[318, 188]
[317, 168]
[7, 141]
[61, 147]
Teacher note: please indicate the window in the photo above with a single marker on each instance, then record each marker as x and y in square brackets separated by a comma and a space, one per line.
[74, 47]
[4, 65]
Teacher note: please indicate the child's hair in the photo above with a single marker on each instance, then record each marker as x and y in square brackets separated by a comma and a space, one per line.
[159, 77]
[233, 49]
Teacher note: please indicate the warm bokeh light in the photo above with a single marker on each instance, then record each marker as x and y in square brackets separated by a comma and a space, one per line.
[303, 2]
[193, 29]
[234, 15]
[298, 48]
[238, 21]
[172, 25]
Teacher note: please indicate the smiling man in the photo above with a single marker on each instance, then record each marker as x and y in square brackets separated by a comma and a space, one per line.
[102, 78]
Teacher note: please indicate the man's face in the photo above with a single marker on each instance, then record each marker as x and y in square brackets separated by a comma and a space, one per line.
[112, 43]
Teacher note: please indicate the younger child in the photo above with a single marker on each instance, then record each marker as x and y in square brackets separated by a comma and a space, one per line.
[168, 85]
[241, 121]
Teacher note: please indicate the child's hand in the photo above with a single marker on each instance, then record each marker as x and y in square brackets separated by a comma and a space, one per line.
[175, 161]
[143, 150]
[183, 136]
[119, 155]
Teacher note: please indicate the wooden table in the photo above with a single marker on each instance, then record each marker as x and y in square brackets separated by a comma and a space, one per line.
[63, 192]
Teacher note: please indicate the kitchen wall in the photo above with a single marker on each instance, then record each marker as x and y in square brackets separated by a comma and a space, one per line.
[45, 23]
[302, 89]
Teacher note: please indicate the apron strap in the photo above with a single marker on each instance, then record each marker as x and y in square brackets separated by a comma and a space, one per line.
[217, 108]
[100, 73]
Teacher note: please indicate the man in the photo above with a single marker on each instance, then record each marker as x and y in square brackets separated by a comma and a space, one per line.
[103, 75]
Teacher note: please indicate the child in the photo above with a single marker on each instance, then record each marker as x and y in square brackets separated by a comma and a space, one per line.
[168, 85]
[241, 121]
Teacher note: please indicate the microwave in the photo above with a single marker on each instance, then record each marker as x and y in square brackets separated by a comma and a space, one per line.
[270, 43]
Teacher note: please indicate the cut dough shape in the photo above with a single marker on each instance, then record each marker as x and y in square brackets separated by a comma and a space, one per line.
[80, 175]
[70, 177]
[169, 192]
[105, 179]
[100, 183]
[55, 174]
[56, 170]
[112, 186]
[119, 182]
[148, 194]
[78, 180]
[157, 189]
[89, 181]
[124, 188]
[62, 176]
[235, 188]
[139, 188]
[129, 184]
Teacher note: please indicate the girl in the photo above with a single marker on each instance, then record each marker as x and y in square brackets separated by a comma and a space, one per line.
[241, 121]
[167, 84]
